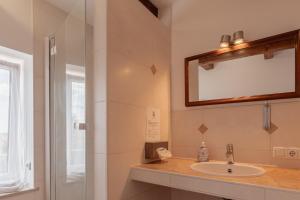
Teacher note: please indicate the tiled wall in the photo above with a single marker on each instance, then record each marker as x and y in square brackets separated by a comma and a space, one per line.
[241, 126]
[196, 28]
[100, 99]
[136, 41]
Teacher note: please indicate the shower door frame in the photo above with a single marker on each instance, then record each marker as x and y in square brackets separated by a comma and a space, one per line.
[50, 164]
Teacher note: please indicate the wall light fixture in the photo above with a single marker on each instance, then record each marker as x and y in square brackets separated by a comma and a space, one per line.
[225, 41]
[238, 38]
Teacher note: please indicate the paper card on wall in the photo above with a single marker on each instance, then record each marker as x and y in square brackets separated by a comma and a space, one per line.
[153, 125]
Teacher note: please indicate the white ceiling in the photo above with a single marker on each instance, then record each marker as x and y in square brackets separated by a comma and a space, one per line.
[90, 12]
[68, 5]
[162, 3]
[65, 5]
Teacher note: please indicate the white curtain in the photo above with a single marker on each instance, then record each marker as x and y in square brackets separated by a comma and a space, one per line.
[15, 177]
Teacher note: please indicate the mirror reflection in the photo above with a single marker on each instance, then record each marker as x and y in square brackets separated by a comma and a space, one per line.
[248, 76]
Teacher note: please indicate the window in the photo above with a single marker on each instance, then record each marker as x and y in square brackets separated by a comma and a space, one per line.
[15, 120]
[4, 118]
[75, 123]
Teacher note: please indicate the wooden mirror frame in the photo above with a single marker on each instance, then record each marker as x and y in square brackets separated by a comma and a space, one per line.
[264, 46]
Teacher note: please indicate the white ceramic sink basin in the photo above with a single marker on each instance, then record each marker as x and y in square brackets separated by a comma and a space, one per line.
[224, 169]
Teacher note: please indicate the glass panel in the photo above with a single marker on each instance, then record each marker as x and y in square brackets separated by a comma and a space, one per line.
[4, 118]
[75, 127]
[68, 104]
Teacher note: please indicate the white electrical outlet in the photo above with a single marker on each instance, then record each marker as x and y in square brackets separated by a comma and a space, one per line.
[286, 153]
[292, 153]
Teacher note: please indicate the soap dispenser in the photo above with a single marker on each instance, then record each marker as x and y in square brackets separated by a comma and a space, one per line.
[202, 153]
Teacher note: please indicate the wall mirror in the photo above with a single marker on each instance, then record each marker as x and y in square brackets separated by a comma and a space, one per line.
[263, 69]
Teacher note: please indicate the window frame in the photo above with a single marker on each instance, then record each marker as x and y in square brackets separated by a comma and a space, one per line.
[2, 67]
[20, 65]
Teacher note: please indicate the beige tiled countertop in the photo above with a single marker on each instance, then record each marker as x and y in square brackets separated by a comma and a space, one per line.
[278, 178]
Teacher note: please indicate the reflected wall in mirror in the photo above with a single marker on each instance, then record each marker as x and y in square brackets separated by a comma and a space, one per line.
[264, 69]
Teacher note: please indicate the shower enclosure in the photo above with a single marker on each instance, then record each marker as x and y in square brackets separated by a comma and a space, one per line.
[67, 127]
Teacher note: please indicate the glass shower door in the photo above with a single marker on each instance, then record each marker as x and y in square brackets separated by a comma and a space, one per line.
[68, 106]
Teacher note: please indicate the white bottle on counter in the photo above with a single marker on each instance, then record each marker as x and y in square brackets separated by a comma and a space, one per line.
[203, 153]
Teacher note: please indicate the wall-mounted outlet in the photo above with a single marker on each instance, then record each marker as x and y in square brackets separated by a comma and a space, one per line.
[286, 153]
[279, 152]
[292, 153]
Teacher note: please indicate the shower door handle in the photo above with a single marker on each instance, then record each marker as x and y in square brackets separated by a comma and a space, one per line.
[79, 126]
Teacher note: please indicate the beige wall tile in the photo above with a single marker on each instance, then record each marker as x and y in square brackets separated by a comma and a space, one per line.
[241, 126]
[126, 125]
[100, 26]
[286, 117]
[185, 151]
[100, 132]
[119, 184]
[185, 128]
[129, 82]
[100, 177]
[100, 99]
[100, 76]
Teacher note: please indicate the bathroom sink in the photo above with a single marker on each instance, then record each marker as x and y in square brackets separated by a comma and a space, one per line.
[224, 169]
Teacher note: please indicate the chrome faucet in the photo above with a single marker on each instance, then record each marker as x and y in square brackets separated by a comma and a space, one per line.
[230, 154]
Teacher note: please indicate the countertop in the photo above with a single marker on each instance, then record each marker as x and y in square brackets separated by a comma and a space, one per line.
[275, 177]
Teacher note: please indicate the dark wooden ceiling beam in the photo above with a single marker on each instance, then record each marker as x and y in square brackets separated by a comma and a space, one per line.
[150, 6]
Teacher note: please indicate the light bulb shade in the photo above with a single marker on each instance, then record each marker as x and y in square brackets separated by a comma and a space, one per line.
[225, 41]
[238, 37]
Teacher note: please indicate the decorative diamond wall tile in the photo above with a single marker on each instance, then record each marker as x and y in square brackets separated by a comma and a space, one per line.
[272, 129]
[153, 69]
[203, 128]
